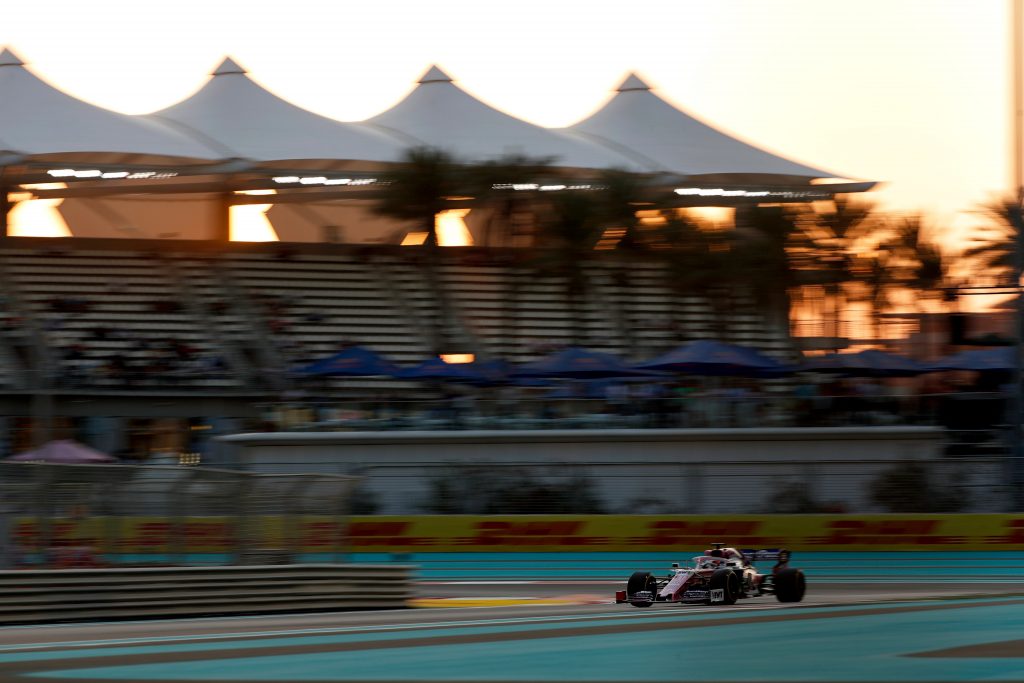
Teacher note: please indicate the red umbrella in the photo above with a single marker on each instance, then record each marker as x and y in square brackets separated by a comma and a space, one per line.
[65, 452]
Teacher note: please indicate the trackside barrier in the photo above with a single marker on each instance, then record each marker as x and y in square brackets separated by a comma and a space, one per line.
[843, 567]
[28, 596]
[661, 533]
[208, 540]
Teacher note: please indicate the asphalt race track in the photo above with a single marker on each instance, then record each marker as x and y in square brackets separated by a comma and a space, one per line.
[560, 631]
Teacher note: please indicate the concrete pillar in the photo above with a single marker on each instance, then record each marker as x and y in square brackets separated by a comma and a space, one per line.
[5, 210]
[222, 218]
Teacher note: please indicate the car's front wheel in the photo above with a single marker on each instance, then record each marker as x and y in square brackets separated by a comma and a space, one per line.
[642, 589]
[726, 581]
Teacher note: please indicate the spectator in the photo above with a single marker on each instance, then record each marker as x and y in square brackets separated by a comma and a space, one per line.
[70, 305]
[166, 306]
[617, 396]
[182, 351]
[74, 352]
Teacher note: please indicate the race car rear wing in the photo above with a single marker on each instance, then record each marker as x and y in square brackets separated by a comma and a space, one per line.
[777, 554]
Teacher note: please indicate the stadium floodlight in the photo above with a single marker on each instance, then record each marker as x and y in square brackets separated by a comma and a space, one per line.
[523, 187]
[108, 175]
[321, 180]
[781, 194]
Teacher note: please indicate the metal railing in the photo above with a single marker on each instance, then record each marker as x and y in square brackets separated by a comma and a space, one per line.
[963, 411]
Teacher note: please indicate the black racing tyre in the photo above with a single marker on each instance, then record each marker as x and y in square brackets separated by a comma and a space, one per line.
[641, 581]
[728, 582]
[790, 585]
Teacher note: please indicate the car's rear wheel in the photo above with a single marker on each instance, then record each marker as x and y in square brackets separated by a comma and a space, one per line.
[642, 582]
[790, 585]
[726, 581]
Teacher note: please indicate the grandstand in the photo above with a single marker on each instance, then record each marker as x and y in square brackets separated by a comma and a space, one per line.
[249, 309]
[97, 325]
[177, 321]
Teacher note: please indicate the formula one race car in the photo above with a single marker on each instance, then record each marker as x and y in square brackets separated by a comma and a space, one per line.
[718, 577]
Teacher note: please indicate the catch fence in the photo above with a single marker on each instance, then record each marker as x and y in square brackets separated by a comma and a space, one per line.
[717, 486]
[105, 515]
[95, 515]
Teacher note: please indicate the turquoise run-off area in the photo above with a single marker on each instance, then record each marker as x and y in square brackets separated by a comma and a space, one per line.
[836, 644]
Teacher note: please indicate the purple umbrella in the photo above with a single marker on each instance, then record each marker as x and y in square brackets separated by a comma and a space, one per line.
[64, 452]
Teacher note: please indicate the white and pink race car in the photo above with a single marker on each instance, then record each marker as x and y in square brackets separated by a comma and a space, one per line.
[720, 576]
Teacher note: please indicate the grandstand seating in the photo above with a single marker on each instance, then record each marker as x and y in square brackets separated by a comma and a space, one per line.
[250, 311]
[313, 304]
[110, 318]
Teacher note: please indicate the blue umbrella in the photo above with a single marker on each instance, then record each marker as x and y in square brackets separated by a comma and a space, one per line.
[354, 361]
[578, 363]
[586, 389]
[717, 359]
[998, 358]
[870, 363]
[480, 372]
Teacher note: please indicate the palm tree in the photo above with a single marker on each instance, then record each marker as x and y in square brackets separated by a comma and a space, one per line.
[621, 195]
[571, 229]
[694, 261]
[901, 261]
[501, 188]
[417, 190]
[499, 185]
[930, 274]
[924, 267]
[835, 235]
[769, 254]
[994, 247]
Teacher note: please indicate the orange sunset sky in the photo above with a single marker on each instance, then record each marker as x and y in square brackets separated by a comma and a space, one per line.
[914, 93]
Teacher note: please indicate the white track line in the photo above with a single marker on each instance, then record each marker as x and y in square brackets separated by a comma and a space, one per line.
[659, 613]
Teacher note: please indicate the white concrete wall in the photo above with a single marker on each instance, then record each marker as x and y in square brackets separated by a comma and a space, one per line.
[700, 471]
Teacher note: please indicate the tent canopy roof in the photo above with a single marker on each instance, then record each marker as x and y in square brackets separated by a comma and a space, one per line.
[234, 123]
[244, 120]
[440, 114]
[660, 137]
[39, 121]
